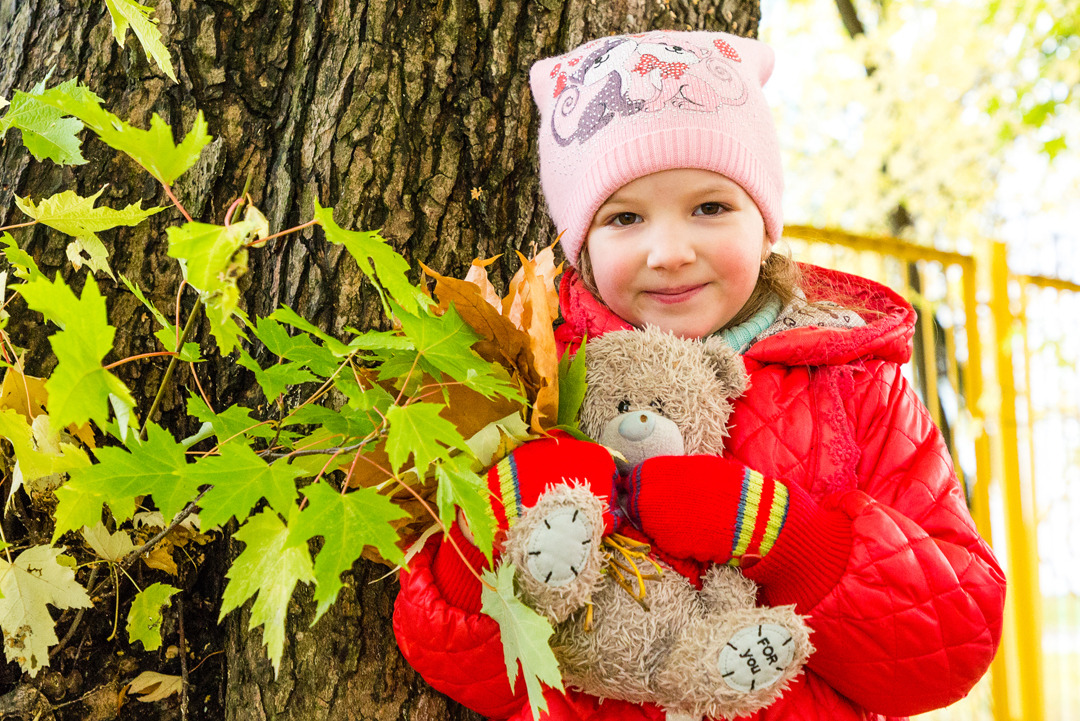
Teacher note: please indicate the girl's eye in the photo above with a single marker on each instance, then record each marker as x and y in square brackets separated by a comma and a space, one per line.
[623, 219]
[709, 209]
[624, 406]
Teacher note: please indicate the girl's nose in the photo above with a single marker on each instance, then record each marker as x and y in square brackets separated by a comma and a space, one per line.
[669, 252]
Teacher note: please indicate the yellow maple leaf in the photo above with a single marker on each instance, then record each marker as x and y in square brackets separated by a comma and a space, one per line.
[32, 581]
[155, 686]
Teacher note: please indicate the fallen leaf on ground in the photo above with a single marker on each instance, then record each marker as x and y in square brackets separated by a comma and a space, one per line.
[155, 686]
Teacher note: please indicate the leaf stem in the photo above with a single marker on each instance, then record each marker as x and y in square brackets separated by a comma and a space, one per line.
[18, 225]
[202, 393]
[129, 560]
[405, 380]
[116, 612]
[176, 317]
[122, 361]
[205, 659]
[181, 208]
[172, 366]
[260, 241]
[7, 548]
[78, 617]
[232, 209]
[183, 660]
[447, 536]
[337, 450]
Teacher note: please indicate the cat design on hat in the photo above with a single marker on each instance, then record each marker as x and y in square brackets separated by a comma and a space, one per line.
[627, 75]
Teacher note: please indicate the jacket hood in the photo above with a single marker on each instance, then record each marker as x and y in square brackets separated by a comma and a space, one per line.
[887, 335]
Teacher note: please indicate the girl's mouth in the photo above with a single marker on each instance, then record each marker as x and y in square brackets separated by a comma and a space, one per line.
[670, 296]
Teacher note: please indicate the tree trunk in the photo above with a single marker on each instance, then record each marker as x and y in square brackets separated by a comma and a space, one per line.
[414, 117]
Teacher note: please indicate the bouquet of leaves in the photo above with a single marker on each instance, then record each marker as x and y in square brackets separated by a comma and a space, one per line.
[384, 446]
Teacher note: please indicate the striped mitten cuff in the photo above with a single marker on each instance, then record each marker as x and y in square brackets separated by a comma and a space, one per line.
[717, 510]
[517, 481]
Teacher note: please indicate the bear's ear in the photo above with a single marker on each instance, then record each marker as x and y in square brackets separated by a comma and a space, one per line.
[727, 365]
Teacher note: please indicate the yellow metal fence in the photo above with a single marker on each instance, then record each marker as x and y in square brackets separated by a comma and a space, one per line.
[996, 361]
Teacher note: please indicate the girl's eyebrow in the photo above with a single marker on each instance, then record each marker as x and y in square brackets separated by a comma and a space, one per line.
[617, 202]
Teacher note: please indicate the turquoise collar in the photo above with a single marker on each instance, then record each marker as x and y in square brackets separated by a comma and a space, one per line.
[741, 336]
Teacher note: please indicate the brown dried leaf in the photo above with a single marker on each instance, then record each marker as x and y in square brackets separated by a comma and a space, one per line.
[536, 320]
[549, 272]
[544, 268]
[478, 276]
[506, 343]
[27, 395]
[160, 557]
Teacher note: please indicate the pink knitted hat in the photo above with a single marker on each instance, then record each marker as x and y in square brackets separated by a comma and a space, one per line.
[619, 108]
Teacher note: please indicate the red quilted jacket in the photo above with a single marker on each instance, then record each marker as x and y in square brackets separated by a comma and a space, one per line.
[914, 620]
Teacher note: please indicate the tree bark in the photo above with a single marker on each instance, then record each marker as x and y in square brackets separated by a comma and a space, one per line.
[411, 116]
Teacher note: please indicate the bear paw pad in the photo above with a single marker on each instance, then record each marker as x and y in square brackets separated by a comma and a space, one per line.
[756, 657]
[559, 547]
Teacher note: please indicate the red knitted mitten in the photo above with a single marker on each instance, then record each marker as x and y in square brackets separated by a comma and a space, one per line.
[717, 510]
[516, 483]
[518, 480]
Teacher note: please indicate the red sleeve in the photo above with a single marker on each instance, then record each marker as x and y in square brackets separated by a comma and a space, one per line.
[458, 652]
[915, 619]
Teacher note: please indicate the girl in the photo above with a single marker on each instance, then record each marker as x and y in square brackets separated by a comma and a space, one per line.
[660, 166]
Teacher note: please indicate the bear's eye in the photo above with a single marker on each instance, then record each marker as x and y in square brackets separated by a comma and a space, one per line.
[624, 406]
[658, 406]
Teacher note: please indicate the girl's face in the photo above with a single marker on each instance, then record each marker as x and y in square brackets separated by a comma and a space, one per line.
[680, 249]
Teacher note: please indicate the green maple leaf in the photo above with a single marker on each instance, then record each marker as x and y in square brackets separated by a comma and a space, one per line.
[347, 424]
[444, 345]
[128, 13]
[144, 618]
[418, 429]
[155, 467]
[299, 347]
[525, 635]
[225, 326]
[80, 388]
[289, 316]
[270, 567]
[35, 578]
[46, 133]
[383, 265]
[277, 378]
[214, 257]
[347, 523]
[24, 266]
[571, 387]
[235, 422]
[240, 479]
[74, 215]
[461, 487]
[153, 149]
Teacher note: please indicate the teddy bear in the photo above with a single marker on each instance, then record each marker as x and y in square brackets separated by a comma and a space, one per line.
[710, 653]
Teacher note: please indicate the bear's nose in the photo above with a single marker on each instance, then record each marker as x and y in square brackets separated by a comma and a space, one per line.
[637, 425]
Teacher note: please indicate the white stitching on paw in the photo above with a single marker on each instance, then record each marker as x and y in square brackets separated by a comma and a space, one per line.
[756, 657]
[559, 546]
